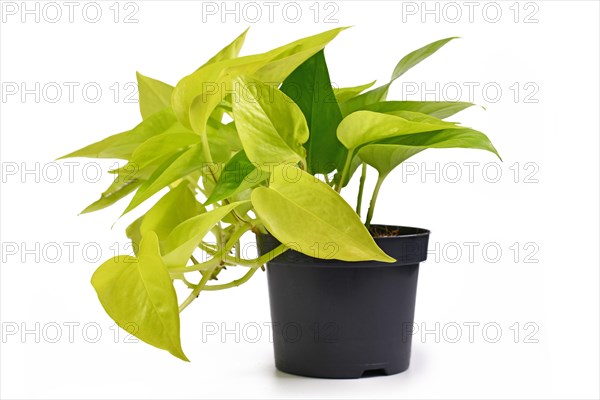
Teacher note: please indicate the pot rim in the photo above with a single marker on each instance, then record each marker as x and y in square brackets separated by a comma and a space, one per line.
[417, 231]
[408, 248]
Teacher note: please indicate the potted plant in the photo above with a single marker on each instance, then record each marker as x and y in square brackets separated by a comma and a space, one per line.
[341, 291]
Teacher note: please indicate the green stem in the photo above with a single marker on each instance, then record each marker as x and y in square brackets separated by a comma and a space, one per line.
[304, 165]
[207, 156]
[254, 265]
[361, 188]
[207, 248]
[202, 267]
[206, 147]
[235, 238]
[233, 283]
[340, 184]
[215, 261]
[196, 292]
[218, 232]
[211, 265]
[187, 283]
[380, 179]
[260, 261]
[234, 213]
[237, 248]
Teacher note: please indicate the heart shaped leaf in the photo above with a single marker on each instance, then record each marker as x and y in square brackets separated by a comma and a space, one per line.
[363, 127]
[138, 295]
[271, 127]
[309, 216]
[310, 88]
[208, 85]
[388, 154]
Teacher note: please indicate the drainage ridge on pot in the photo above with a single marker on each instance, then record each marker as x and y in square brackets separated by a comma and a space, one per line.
[339, 319]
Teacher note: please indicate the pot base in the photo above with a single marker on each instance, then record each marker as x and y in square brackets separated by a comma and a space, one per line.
[337, 372]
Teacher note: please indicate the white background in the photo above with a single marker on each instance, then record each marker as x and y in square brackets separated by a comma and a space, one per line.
[551, 211]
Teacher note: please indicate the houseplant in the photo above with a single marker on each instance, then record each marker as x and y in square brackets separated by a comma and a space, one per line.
[275, 170]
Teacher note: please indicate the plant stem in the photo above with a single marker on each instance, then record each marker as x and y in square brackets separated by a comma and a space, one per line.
[206, 148]
[234, 213]
[361, 188]
[304, 165]
[254, 265]
[215, 261]
[207, 156]
[380, 179]
[340, 184]
[207, 268]
[207, 248]
[186, 282]
[258, 262]
[236, 236]
[233, 283]
[196, 292]
[202, 267]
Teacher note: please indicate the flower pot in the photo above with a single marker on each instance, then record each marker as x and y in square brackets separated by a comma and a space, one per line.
[338, 319]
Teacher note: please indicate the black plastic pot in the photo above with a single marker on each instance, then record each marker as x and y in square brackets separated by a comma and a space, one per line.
[338, 319]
